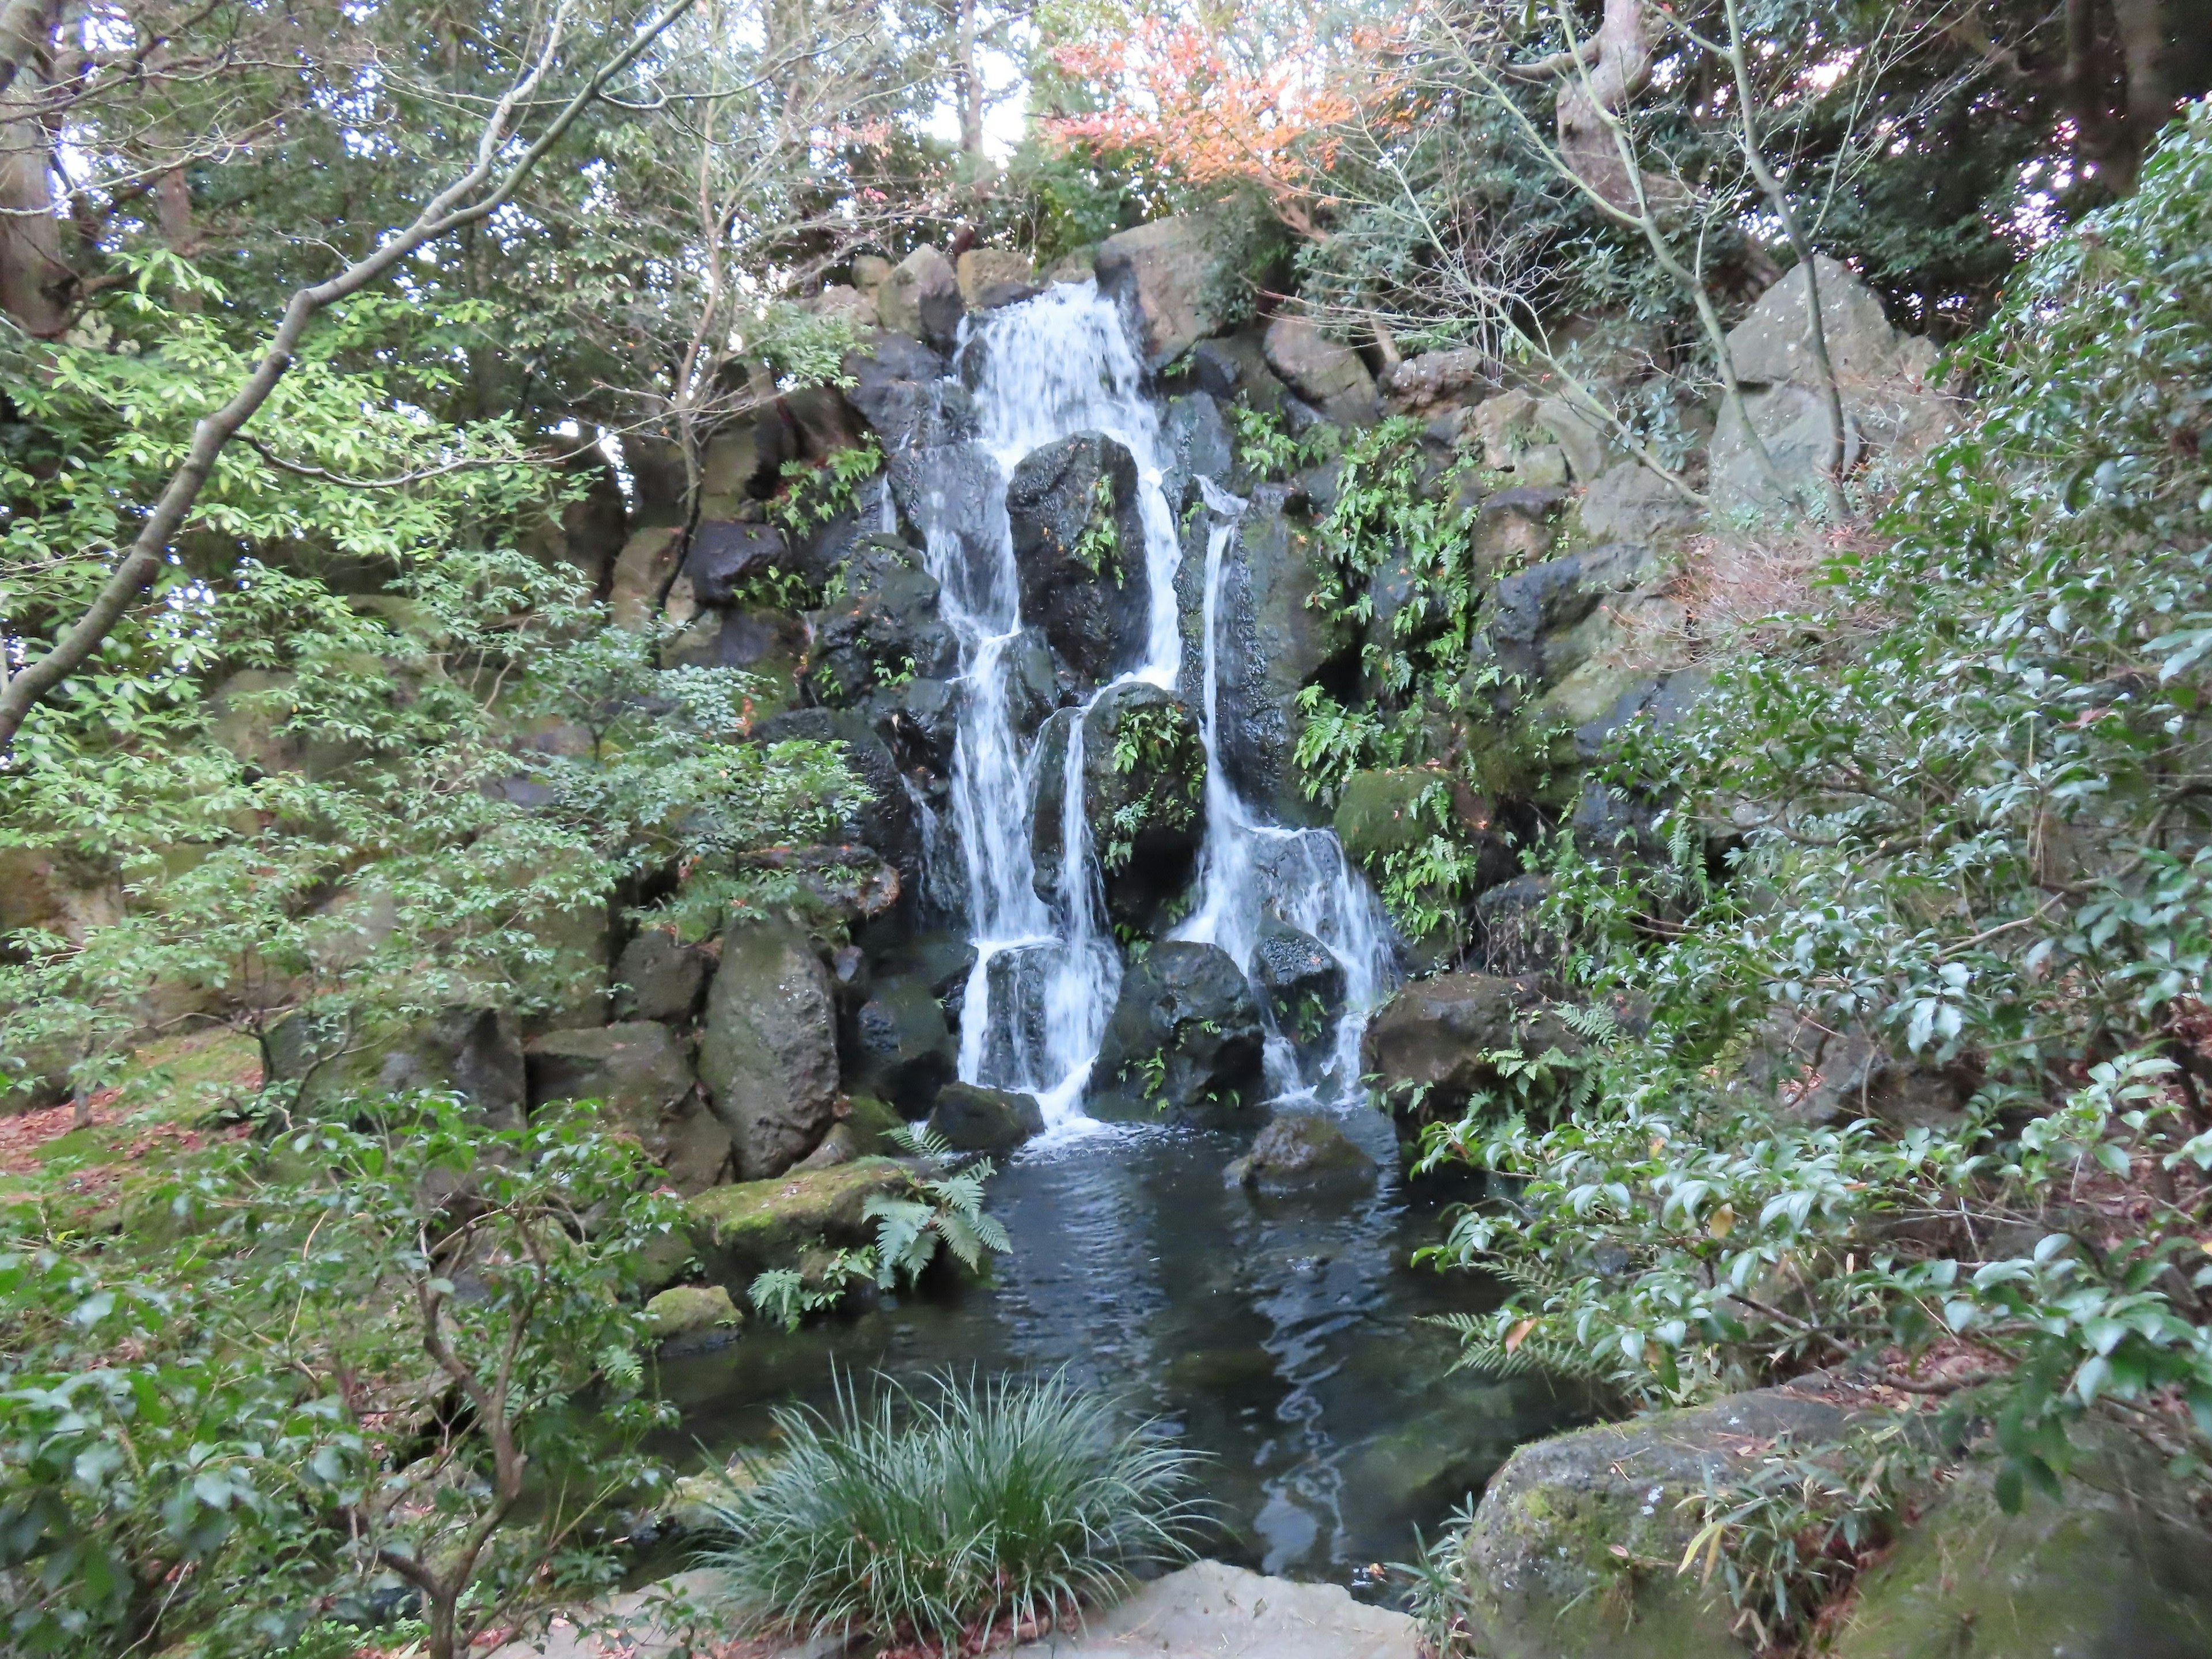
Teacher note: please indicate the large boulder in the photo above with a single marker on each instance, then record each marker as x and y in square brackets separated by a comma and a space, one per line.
[474, 1052]
[740, 1232]
[1163, 271]
[1233, 370]
[2119, 1568]
[990, 276]
[1303, 1152]
[659, 977]
[1550, 619]
[643, 570]
[882, 629]
[1630, 502]
[1324, 371]
[768, 1052]
[898, 1046]
[1144, 785]
[970, 1118]
[726, 553]
[1080, 552]
[643, 1079]
[1573, 1548]
[898, 385]
[1433, 1040]
[922, 298]
[1184, 1039]
[951, 491]
[1301, 981]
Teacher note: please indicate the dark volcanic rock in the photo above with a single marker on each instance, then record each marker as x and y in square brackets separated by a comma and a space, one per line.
[1145, 819]
[724, 554]
[1303, 1152]
[1184, 1039]
[1302, 983]
[972, 1119]
[885, 627]
[898, 1046]
[898, 385]
[1080, 552]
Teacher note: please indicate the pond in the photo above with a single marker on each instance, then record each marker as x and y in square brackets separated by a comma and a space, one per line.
[1286, 1337]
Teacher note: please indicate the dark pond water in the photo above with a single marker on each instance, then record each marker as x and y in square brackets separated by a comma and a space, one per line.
[1284, 1336]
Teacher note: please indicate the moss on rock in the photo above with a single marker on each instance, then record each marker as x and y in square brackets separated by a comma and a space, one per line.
[742, 1231]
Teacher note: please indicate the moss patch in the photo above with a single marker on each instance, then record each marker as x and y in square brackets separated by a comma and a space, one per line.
[742, 1229]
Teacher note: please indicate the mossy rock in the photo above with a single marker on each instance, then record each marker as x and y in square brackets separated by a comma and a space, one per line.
[742, 1231]
[689, 1310]
[1380, 812]
[2119, 1568]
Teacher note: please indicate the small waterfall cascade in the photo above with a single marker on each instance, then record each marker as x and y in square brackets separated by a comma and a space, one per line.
[1046, 971]
[1249, 869]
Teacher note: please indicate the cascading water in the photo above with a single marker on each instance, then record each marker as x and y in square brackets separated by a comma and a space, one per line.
[1046, 971]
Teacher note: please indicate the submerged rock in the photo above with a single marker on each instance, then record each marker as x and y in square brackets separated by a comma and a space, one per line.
[769, 1051]
[639, 1074]
[1185, 1036]
[1080, 552]
[1301, 1150]
[973, 1119]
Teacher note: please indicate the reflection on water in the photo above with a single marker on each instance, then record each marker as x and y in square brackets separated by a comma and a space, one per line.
[1283, 1336]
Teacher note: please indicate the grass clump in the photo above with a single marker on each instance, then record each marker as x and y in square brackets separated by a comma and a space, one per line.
[932, 1516]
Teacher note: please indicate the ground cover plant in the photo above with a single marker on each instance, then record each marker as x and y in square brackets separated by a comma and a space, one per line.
[938, 1516]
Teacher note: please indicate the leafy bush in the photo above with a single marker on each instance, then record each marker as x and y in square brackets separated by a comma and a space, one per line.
[1958, 820]
[936, 1515]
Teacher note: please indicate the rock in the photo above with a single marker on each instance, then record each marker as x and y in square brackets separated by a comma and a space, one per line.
[1301, 983]
[1303, 1150]
[1080, 552]
[745, 460]
[887, 824]
[639, 1072]
[661, 1621]
[897, 1045]
[1515, 943]
[921, 298]
[740, 1232]
[1516, 528]
[1773, 343]
[1434, 1036]
[1322, 370]
[844, 304]
[643, 571]
[1196, 436]
[863, 1129]
[884, 627]
[990, 276]
[1535, 613]
[769, 1051]
[1425, 385]
[1630, 502]
[973, 1119]
[659, 978]
[1233, 369]
[870, 272]
[724, 554]
[1380, 812]
[684, 1311]
[1574, 1547]
[1661, 702]
[898, 386]
[1184, 1037]
[1270, 642]
[1586, 445]
[475, 1052]
[1144, 821]
[1821, 1076]
[1164, 270]
[2121, 1567]
[953, 488]
[1212, 1611]
[1792, 423]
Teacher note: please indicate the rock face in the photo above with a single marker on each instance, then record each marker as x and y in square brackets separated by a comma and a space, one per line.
[2121, 1567]
[1879, 373]
[921, 298]
[475, 1052]
[643, 570]
[972, 1119]
[1162, 270]
[899, 386]
[769, 1051]
[1435, 1034]
[659, 979]
[1322, 370]
[638, 1071]
[1301, 1150]
[1185, 1036]
[898, 1046]
[1079, 551]
[740, 1232]
[1538, 1568]
[1630, 502]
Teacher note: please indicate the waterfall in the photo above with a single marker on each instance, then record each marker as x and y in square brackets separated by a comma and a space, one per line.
[1248, 868]
[1047, 970]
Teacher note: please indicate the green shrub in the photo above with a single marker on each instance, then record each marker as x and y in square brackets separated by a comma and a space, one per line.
[927, 1516]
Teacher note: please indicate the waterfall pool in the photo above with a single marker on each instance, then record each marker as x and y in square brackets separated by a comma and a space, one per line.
[1285, 1337]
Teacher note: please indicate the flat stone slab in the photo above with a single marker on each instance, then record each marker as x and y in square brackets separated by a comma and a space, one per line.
[1210, 1611]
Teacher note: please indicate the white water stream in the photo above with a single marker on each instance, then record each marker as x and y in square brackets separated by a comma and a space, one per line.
[1046, 971]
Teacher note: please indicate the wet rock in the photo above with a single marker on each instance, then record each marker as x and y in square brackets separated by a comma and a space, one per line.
[1322, 370]
[740, 1232]
[898, 386]
[1080, 552]
[2118, 1568]
[1433, 1039]
[692, 1311]
[1185, 1036]
[1574, 1546]
[863, 1129]
[1162, 270]
[1233, 369]
[1303, 1152]
[768, 1050]
[953, 488]
[990, 276]
[1269, 642]
[973, 1119]
[1381, 812]
[658, 978]
[1514, 940]
[1196, 436]
[1630, 502]
[640, 1076]
[475, 1052]
[726, 554]
[643, 571]
[921, 298]
[1149, 812]
[898, 1046]
[1301, 983]
[883, 628]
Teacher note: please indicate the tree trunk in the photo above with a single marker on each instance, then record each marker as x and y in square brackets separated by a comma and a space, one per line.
[36, 284]
[2166, 47]
[968, 85]
[1587, 98]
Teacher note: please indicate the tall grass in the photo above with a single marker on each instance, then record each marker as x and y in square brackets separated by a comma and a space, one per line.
[930, 1515]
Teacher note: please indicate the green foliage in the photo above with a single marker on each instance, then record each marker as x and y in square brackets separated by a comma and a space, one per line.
[337, 1370]
[936, 1517]
[815, 494]
[1161, 745]
[1098, 548]
[1962, 826]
